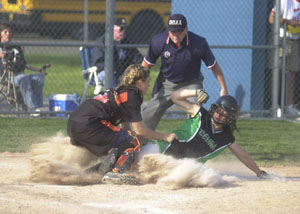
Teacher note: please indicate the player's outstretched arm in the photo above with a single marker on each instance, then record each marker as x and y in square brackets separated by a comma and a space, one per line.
[141, 130]
[246, 159]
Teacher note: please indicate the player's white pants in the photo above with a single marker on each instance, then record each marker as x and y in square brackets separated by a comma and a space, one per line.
[149, 148]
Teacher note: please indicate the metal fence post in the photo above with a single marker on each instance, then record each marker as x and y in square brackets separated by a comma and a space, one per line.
[283, 72]
[275, 86]
[86, 21]
[85, 28]
[109, 44]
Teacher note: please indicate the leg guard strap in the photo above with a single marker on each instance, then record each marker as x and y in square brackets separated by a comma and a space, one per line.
[128, 157]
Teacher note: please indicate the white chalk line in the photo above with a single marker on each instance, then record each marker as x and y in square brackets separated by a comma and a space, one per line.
[133, 207]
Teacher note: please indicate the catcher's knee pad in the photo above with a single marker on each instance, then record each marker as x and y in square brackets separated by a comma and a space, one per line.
[134, 141]
[128, 153]
[128, 156]
[125, 161]
[131, 141]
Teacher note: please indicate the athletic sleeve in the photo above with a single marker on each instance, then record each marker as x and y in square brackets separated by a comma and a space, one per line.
[151, 56]
[155, 49]
[132, 108]
[208, 57]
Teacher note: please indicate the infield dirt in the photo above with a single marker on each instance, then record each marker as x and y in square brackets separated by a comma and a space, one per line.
[49, 179]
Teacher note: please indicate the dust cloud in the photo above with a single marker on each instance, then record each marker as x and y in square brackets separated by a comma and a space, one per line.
[57, 161]
[177, 174]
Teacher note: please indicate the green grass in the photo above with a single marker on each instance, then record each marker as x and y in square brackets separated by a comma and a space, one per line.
[65, 76]
[18, 134]
[269, 142]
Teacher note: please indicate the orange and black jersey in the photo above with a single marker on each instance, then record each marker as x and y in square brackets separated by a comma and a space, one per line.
[93, 124]
[126, 107]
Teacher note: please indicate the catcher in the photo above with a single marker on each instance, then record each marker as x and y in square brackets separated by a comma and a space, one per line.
[206, 133]
[94, 124]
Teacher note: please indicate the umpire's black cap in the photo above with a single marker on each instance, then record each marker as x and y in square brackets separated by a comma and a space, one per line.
[121, 22]
[177, 23]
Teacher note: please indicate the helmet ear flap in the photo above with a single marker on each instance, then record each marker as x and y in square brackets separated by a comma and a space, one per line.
[230, 119]
[212, 109]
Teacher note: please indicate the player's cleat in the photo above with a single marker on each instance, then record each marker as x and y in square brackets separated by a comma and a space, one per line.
[108, 162]
[118, 178]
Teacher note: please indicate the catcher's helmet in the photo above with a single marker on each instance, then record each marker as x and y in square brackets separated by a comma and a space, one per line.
[230, 105]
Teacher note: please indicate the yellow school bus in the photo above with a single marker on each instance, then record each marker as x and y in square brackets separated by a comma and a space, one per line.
[59, 18]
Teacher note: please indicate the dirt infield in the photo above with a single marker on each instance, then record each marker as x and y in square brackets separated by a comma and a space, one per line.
[51, 178]
[240, 193]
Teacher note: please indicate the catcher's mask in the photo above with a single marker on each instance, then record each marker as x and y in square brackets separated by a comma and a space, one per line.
[230, 105]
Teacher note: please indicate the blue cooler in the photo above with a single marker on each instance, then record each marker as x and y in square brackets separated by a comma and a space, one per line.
[63, 102]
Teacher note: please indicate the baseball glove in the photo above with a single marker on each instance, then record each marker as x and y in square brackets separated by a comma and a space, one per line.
[202, 96]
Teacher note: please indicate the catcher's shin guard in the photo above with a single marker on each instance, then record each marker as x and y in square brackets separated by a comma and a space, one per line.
[128, 157]
[108, 162]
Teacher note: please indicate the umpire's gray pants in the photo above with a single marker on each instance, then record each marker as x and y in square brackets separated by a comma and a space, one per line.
[161, 101]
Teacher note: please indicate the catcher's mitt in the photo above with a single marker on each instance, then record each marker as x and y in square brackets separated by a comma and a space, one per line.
[202, 96]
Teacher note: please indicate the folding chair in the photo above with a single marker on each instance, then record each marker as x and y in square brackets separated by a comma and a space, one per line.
[89, 73]
[9, 92]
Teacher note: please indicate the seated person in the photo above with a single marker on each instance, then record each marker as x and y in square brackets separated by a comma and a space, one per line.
[123, 57]
[206, 133]
[31, 86]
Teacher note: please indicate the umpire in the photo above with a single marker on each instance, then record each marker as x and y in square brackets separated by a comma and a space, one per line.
[181, 52]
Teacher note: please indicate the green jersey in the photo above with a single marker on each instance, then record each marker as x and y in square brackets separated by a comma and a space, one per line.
[197, 139]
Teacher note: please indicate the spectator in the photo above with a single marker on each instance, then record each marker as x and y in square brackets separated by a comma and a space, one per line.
[181, 53]
[290, 14]
[123, 57]
[94, 124]
[31, 86]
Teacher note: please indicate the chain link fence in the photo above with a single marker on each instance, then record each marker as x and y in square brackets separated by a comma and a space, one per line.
[238, 32]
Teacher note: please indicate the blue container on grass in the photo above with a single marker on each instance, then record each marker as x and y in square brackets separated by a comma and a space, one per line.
[63, 102]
